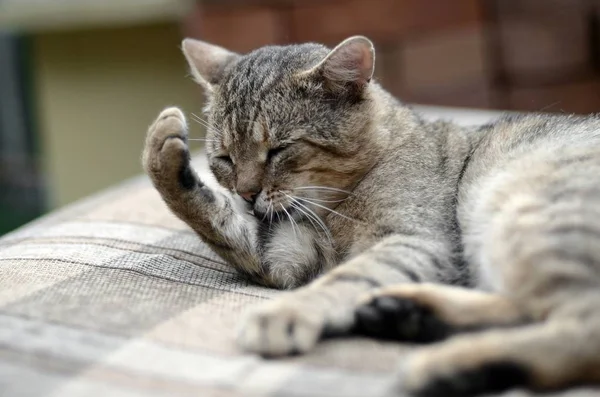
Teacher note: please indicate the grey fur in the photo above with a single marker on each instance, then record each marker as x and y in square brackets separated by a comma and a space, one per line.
[404, 198]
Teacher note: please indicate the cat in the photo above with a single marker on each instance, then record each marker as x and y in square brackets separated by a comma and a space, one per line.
[483, 239]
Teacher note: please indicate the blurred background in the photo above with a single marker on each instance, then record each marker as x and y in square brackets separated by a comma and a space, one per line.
[81, 80]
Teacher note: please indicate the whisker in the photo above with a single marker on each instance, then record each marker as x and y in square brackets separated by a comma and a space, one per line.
[205, 123]
[310, 214]
[201, 139]
[295, 206]
[328, 209]
[266, 213]
[326, 188]
[291, 221]
[200, 120]
[549, 106]
[312, 218]
[295, 223]
[328, 201]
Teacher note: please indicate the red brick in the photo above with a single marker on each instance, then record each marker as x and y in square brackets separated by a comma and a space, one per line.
[537, 7]
[241, 28]
[429, 15]
[191, 22]
[388, 67]
[445, 61]
[595, 33]
[458, 88]
[579, 97]
[332, 21]
[542, 41]
[477, 97]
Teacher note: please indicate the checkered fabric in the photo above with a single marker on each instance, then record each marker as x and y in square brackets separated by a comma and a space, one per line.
[115, 297]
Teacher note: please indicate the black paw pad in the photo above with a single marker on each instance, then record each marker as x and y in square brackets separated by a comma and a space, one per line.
[489, 378]
[187, 179]
[400, 319]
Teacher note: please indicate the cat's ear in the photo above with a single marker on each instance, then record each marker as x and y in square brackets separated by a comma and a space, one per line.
[207, 61]
[349, 66]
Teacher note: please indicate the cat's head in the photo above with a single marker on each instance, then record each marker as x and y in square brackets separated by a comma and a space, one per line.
[289, 127]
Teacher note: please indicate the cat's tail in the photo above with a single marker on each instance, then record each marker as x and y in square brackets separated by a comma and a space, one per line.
[543, 356]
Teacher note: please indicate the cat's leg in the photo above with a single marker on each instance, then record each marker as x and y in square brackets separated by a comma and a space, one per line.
[211, 213]
[543, 356]
[282, 254]
[294, 323]
[432, 312]
[535, 236]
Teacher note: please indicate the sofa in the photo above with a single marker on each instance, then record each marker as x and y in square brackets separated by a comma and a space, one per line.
[114, 296]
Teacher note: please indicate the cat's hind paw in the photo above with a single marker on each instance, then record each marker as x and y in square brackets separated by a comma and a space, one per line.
[453, 370]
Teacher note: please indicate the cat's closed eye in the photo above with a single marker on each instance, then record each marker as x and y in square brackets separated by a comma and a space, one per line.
[275, 151]
[225, 158]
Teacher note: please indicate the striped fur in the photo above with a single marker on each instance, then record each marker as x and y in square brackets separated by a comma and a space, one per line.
[393, 218]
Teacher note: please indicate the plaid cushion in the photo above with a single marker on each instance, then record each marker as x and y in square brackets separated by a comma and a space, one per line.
[116, 297]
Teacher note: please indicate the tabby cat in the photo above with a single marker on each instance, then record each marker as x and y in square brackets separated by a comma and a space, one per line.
[400, 228]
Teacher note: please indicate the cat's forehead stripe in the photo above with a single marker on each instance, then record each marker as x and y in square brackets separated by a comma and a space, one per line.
[265, 129]
[260, 130]
[227, 141]
[257, 131]
[252, 93]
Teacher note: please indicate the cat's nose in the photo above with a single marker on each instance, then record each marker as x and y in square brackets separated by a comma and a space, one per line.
[250, 197]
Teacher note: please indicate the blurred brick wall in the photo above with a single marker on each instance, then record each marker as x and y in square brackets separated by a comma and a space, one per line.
[503, 54]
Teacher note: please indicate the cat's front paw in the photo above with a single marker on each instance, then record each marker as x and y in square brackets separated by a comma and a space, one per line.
[166, 155]
[280, 327]
[396, 313]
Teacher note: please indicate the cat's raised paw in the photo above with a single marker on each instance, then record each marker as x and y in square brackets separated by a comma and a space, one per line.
[166, 154]
[169, 125]
[280, 328]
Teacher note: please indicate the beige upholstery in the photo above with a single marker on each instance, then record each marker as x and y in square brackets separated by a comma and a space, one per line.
[115, 297]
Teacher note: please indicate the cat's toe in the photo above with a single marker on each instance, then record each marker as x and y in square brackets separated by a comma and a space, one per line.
[279, 329]
[399, 318]
[166, 149]
[170, 124]
[172, 112]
